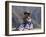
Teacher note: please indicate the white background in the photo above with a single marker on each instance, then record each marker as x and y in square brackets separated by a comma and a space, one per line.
[2, 19]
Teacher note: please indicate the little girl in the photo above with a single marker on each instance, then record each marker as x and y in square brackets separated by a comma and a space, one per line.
[27, 24]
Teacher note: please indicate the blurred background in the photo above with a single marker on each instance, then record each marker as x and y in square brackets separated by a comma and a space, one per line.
[18, 14]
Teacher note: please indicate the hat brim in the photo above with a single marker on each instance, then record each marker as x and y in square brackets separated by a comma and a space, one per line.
[26, 13]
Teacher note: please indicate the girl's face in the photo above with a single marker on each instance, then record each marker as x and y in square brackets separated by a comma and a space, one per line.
[28, 19]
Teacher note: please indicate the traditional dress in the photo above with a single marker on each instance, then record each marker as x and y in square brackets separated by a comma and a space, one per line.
[26, 26]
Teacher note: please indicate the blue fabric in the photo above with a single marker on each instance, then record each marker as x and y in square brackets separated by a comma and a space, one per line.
[26, 25]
